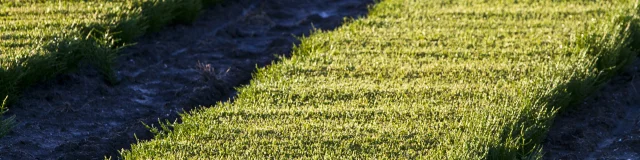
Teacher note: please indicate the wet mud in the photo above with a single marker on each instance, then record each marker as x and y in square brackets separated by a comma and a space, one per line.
[80, 116]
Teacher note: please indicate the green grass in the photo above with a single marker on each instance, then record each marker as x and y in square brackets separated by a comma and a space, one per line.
[40, 39]
[433, 79]
[5, 124]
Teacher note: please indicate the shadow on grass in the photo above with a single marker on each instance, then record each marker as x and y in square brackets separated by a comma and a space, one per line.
[606, 56]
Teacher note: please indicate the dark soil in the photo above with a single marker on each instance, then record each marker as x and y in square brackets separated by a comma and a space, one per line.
[80, 116]
[605, 126]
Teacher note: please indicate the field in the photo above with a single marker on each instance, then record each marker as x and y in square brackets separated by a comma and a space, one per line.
[430, 79]
[417, 79]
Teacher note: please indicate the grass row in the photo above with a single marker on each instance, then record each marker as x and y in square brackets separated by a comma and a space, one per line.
[40, 39]
[433, 79]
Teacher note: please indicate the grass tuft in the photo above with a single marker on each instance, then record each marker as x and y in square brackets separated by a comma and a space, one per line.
[7, 123]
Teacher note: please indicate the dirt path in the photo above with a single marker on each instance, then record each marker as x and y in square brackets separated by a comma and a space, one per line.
[78, 116]
[605, 126]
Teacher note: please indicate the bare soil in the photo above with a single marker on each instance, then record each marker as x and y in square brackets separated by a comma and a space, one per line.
[605, 126]
[79, 116]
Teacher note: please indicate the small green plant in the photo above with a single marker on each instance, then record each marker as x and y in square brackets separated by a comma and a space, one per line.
[103, 57]
[7, 123]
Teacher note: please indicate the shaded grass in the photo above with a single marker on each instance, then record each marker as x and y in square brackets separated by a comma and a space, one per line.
[417, 80]
[40, 39]
[5, 124]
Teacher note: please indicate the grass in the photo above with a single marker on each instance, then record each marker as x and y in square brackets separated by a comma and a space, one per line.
[5, 124]
[417, 80]
[40, 39]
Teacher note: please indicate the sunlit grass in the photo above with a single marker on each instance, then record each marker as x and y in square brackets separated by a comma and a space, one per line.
[40, 39]
[417, 79]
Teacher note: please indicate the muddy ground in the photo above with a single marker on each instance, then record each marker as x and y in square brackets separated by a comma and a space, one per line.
[605, 126]
[79, 116]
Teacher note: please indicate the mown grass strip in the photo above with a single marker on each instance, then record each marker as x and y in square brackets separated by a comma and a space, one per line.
[417, 79]
[40, 39]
